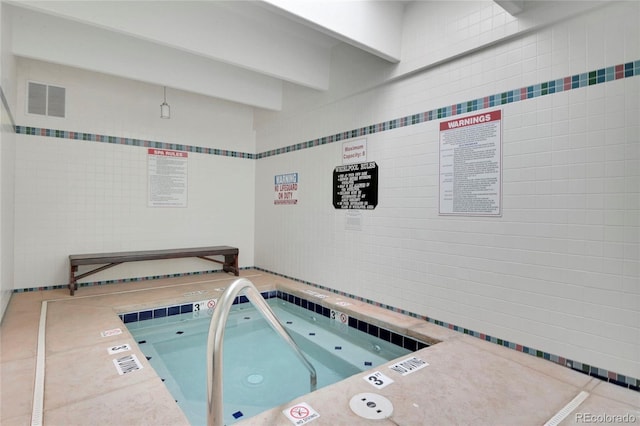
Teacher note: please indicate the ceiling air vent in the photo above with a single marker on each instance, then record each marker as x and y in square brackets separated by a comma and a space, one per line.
[44, 99]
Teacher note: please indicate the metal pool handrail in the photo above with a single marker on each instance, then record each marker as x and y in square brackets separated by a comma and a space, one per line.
[214, 344]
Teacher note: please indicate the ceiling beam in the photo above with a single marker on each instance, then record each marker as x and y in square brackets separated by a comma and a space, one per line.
[51, 39]
[233, 33]
[513, 7]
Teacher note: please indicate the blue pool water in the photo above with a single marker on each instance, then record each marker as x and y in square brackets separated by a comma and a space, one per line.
[260, 370]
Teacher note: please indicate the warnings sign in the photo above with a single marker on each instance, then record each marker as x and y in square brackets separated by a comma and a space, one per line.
[471, 165]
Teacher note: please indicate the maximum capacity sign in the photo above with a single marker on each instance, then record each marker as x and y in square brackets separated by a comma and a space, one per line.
[355, 186]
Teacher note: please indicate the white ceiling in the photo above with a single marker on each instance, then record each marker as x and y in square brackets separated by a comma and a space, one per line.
[240, 51]
[245, 50]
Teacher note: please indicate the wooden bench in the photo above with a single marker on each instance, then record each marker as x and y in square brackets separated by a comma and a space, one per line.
[108, 260]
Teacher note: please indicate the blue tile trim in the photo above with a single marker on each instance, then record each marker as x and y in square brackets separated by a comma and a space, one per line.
[576, 81]
[610, 376]
[373, 330]
[165, 311]
[160, 312]
[144, 315]
[387, 335]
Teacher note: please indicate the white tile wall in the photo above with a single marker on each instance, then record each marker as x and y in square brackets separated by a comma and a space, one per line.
[559, 271]
[107, 105]
[75, 197]
[78, 197]
[7, 166]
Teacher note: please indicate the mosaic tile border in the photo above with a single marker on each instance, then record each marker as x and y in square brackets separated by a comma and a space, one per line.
[117, 140]
[121, 281]
[576, 81]
[397, 339]
[631, 383]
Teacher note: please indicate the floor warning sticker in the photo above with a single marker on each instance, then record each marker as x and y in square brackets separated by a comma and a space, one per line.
[127, 364]
[408, 365]
[118, 348]
[112, 332]
[301, 413]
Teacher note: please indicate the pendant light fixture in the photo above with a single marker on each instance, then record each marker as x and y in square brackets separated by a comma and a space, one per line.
[165, 109]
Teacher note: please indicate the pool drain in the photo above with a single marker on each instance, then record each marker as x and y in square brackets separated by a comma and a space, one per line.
[255, 379]
[371, 406]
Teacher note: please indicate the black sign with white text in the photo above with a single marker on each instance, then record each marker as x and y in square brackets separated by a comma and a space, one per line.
[355, 186]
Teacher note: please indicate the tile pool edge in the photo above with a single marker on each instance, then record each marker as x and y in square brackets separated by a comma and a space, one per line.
[407, 342]
[617, 379]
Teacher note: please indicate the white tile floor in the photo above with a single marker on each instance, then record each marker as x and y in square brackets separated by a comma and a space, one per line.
[467, 382]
